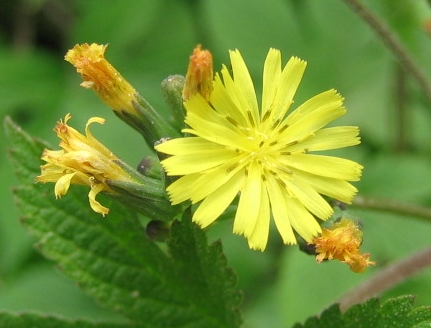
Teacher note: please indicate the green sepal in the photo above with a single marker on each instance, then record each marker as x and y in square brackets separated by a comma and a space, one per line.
[149, 200]
[156, 126]
[146, 194]
[149, 123]
[151, 167]
[172, 89]
[134, 173]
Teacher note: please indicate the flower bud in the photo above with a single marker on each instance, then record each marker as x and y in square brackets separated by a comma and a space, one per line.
[199, 74]
[172, 88]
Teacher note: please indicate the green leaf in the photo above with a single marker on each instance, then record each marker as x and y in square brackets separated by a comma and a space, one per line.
[210, 283]
[25, 152]
[27, 320]
[113, 260]
[394, 313]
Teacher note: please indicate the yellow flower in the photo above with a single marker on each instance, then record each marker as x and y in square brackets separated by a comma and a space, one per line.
[98, 74]
[261, 154]
[199, 74]
[83, 160]
[341, 242]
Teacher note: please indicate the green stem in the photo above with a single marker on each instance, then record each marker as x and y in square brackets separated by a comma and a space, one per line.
[393, 44]
[387, 278]
[393, 206]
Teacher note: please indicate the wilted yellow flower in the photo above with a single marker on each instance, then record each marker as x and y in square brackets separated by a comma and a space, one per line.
[98, 74]
[262, 154]
[199, 74]
[341, 242]
[83, 160]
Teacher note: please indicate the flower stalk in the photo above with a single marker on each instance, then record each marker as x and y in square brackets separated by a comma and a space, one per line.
[393, 206]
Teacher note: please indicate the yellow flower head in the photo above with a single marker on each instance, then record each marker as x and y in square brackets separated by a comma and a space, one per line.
[341, 242]
[98, 74]
[83, 160]
[262, 154]
[199, 74]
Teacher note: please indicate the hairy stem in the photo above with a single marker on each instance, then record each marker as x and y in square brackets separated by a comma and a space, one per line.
[393, 44]
[386, 278]
[393, 206]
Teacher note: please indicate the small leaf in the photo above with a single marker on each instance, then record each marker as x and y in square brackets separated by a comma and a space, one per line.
[394, 313]
[30, 320]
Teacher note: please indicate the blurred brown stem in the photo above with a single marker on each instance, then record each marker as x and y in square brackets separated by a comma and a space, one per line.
[392, 42]
[401, 114]
[386, 278]
[393, 206]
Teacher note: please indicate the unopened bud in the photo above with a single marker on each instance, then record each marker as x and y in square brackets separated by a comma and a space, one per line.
[172, 88]
[199, 74]
[150, 167]
[158, 230]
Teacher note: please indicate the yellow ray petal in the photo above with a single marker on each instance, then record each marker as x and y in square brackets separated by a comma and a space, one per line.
[271, 77]
[181, 190]
[224, 104]
[197, 162]
[259, 237]
[190, 145]
[329, 138]
[249, 203]
[95, 205]
[217, 202]
[326, 166]
[309, 197]
[62, 185]
[242, 78]
[289, 81]
[326, 99]
[334, 188]
[301, 220]
[279, 210]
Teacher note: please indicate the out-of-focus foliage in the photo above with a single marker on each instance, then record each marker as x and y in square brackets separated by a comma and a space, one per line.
[150, 40]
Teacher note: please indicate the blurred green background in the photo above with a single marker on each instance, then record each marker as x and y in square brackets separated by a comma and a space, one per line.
[150, 40]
